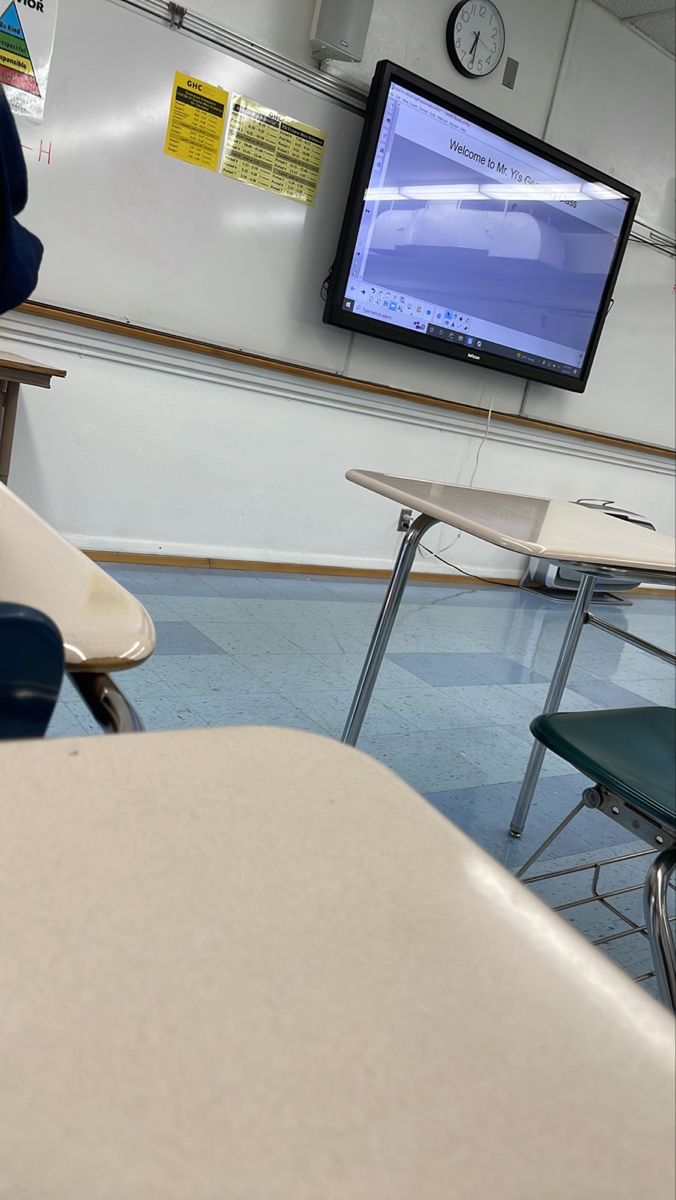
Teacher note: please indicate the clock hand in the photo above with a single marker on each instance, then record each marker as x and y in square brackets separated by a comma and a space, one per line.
[474, 46]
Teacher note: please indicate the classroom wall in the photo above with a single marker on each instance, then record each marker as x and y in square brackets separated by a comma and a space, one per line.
[616, 105]
[281, 25]
[150, 450]
[414, 35]
[153, 451]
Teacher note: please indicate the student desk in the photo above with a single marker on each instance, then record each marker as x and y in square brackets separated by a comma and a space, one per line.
[250, 962]
[13, 372]
[599, 546]
[104, 628]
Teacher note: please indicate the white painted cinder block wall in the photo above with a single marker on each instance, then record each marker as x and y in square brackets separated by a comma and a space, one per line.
[414, 35]
[194, 457]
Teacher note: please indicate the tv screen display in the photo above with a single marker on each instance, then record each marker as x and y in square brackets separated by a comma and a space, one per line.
[469, 238]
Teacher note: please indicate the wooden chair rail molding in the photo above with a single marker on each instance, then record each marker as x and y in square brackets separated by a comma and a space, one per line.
[173, 341]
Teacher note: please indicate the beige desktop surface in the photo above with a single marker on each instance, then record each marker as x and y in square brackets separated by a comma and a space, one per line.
[102, 625]
[13, 366]
[553, 529]
[249, 963]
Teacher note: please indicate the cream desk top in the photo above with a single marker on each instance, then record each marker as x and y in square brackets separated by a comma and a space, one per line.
[254, 963]
[104, 627]
[554, 529]
[21, 370]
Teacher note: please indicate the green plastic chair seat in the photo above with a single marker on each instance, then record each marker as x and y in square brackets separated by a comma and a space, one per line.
[629, 751]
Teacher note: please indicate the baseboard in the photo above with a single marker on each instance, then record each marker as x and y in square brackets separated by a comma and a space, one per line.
[288, 568]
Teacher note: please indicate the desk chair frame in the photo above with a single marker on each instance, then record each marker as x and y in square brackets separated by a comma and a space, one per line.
[107, 704]
[384, 626]
[657, 926]
[104, 629]
[579, 616]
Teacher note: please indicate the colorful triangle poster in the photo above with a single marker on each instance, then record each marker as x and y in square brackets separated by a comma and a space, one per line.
[16, 66]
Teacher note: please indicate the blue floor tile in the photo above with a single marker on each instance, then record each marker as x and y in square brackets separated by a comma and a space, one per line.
[245, 639]
[165, 582]
[657, 691]
[608, 695]
[450, 669]
[356, 589]
[200, 674]
[330, 710]
[158, 608]
[296, 674]
[180, 637]
[299, 587]
[210, 608]
[432, 708]
[511, 598]
[238, 586]
[229, 709]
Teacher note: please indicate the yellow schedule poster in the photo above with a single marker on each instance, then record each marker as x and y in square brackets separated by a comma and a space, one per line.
[196, 122]
[272, 151]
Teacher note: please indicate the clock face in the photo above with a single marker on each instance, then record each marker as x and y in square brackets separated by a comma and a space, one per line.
[475, 37]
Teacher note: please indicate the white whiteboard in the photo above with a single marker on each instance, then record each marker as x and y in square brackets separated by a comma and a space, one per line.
[134, 235]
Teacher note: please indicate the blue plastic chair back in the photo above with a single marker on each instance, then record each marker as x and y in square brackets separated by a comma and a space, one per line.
[31, 671]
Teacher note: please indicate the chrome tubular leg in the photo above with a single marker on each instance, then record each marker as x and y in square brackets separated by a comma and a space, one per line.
[556, 689]
[383, 629]
[548, 840]
[106, 703]
[657, 925]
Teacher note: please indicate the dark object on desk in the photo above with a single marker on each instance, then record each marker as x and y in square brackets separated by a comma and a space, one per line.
[20, 251]
[31, 671]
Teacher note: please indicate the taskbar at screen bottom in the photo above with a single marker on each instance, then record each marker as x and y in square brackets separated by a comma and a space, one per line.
[532, 360]
[478, 346]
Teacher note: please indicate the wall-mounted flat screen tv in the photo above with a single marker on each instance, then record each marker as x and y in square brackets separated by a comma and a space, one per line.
[470, 238]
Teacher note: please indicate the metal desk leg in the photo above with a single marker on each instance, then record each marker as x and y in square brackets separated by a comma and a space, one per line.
[556, 689]
[657, 925]
[383, 629]
[9, 404]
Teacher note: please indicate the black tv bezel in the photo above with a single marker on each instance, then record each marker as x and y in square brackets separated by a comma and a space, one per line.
[385, 74]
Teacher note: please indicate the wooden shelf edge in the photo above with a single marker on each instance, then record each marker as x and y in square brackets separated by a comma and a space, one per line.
[210, 349]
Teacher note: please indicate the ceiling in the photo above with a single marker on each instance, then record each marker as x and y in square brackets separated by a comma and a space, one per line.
[655, 18]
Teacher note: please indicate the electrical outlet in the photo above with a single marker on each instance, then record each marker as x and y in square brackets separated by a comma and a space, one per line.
[405, 520]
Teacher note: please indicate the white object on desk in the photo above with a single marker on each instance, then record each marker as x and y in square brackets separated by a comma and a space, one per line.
[254, 963]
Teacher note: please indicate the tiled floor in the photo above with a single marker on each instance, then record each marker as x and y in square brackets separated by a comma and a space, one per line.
[467, 669]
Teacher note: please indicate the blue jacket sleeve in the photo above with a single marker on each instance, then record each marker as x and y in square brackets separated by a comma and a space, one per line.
[20, 251]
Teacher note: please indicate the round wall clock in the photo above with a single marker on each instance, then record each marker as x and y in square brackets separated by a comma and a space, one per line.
[475, 37]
